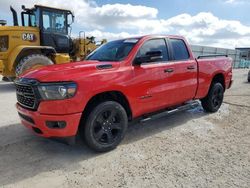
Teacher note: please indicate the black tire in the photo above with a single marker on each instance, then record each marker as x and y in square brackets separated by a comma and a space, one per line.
[8, 79]
[5, 79]
[214, 98]
[31, 61]
[105, 126]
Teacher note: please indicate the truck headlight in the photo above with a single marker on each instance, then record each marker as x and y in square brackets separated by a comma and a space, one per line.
[4, 43]
[57, 91]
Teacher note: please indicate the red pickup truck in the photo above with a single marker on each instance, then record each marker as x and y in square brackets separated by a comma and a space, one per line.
[120, 81]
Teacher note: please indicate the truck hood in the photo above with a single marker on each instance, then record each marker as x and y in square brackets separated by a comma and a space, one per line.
[70, 71]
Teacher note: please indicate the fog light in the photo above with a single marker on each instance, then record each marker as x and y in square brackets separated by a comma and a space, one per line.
[36, 130]
[56, 124]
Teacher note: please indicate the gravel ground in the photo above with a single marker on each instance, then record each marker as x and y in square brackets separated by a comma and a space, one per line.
[187, 149]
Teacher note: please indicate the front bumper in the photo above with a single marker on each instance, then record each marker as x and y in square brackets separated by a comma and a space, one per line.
[37, 122]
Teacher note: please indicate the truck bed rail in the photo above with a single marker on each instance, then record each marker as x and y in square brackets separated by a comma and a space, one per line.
[212, 55]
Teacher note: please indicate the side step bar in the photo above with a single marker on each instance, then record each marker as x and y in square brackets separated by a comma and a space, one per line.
[186, 106]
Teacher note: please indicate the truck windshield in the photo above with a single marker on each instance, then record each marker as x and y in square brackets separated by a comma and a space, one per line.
[113, 51]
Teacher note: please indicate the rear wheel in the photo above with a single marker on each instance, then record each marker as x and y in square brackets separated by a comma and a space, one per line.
[105, 126]
[214, 98]
[31, 62]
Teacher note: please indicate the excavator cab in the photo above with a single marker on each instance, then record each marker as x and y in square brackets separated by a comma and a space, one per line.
[54, 25]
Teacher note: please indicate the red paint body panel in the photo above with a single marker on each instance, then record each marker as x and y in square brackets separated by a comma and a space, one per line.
[147, 87]
[72, 121]
[208, 68]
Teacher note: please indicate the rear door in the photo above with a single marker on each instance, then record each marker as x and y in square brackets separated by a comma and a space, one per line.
[180, 78]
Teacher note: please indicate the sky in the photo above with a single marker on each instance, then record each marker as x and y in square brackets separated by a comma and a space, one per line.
[218, 23]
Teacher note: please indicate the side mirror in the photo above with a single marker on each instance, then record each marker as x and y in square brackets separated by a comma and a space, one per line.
[151, 56]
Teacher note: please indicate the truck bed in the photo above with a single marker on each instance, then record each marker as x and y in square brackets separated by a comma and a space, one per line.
[209, 67]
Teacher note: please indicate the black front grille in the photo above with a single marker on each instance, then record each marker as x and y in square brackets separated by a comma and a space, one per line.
[26, 96]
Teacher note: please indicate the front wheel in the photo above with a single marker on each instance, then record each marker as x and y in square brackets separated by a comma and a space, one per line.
[105, 126]
[32, 61]
[214, 98]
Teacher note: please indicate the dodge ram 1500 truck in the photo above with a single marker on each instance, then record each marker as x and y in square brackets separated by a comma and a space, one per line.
[119, 81]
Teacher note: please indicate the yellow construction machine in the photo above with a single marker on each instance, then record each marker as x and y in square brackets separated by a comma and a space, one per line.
[42, 39]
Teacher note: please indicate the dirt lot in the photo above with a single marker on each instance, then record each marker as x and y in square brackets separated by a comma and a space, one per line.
[188, 149]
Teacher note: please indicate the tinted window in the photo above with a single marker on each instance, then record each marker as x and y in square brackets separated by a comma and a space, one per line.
[33, 20]
[29, 20]
[154, 45]
[180, 51]
[54, 22]
[46, 22]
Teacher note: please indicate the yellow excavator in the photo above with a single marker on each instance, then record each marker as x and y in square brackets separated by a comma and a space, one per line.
[43, 38]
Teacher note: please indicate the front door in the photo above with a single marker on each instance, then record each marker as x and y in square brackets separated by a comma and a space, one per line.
[148, 81]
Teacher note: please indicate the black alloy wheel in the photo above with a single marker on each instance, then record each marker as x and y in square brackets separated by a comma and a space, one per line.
[106, 126]
[214, 98]
[217, 97]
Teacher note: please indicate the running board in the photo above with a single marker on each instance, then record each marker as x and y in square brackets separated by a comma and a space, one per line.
[186, 106]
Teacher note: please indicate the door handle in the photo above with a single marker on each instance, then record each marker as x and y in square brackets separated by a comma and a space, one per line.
[169, 70]
[191, 67]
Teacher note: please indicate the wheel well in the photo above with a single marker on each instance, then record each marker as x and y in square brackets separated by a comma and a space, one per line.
[219, 78]
[105, 96]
